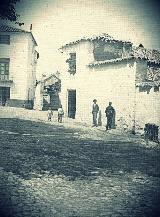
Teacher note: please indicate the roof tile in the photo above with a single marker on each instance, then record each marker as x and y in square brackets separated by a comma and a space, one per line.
[4, 28]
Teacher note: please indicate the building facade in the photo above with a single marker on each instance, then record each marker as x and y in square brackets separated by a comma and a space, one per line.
[148, 88]
[18, 59]
[104, 69]
[47, 93]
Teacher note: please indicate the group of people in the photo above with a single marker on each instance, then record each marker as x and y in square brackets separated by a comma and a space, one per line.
[110, 115]
[109, 111]
[60, 114]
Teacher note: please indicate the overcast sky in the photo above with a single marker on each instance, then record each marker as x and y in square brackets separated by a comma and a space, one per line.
[56, 22]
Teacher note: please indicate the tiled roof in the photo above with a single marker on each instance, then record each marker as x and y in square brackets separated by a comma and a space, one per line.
[102, 37]
[148, 83]
[5, 28]
[51, 76]
[140, 52]
[152, 56]
[99, 63]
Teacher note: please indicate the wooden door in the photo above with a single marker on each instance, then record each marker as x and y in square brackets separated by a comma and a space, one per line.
[4, 95]
[54, 101]
[71, 103]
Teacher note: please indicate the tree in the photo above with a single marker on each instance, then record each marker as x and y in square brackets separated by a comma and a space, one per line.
[8, 11]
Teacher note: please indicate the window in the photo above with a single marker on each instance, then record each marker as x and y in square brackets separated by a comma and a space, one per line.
[72, 63]
[4, 66]
[156, 89]
[145, 88]
[4, 39]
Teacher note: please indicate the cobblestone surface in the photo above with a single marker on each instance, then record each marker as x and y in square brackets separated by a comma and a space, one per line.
[49, 170]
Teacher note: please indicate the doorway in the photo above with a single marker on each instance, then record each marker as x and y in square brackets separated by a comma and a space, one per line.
[4, 95]
[71, 103]
[54, 101]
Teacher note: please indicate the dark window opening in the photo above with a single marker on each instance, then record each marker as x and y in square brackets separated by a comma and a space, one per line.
[156, 89]
[72, 103]
[4, 68]
[107, 51]
[4, 39]
[4, 95]
[145, 89]
[72, 63]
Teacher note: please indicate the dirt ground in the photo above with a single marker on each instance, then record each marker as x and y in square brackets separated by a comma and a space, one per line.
[55, 170]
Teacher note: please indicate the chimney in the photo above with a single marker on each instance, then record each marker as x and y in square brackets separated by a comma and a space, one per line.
[31, 27]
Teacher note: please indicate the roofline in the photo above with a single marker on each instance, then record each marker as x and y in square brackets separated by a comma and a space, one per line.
[33, 38]
[112, 61]
[156, 62]
[100, 63]
[52, 75]
[90, 40]
[22, 31]
[148, 83]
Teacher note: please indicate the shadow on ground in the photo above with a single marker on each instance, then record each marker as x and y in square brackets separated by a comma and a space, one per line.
[39, 147]
[104, 177]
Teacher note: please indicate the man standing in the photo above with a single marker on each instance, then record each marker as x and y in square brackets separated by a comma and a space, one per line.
[110, 114]
[95, 110]
[60, 113]
[49, 114]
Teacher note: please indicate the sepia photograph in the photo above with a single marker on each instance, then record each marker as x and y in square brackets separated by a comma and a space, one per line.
[79, 108]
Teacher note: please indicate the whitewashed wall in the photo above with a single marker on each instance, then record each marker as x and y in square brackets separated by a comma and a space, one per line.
[17, 52]
[22, 67]
[113, 82]
[31, 68]
[38, 100]
[147, 107]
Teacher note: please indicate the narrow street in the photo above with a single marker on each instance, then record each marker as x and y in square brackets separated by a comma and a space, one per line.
[48, 170]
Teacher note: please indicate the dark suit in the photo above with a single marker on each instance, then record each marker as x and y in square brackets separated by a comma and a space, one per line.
[95, 110]
[110, 114]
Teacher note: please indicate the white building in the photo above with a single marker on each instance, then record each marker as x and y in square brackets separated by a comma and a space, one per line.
[148, 90]
[105, 69]
[47, 93]
[18, 59]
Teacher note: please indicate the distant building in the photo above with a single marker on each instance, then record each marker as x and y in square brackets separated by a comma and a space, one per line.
[148, 89]
[47, 93]
[105, 69]
[18, 59]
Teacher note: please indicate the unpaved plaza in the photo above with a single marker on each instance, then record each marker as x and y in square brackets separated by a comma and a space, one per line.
[52, 170]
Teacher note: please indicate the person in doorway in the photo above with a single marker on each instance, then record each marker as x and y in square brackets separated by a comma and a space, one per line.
[49, 114]
[110, 114]
[95, 110]
[60, 114]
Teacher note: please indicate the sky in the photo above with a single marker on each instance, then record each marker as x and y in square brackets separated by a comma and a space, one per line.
[57, 22]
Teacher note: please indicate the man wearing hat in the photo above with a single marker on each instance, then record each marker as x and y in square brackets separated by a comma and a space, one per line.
[95, 110]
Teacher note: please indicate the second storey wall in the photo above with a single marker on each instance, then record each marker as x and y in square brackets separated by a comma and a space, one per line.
[17, 52]
[31, 68]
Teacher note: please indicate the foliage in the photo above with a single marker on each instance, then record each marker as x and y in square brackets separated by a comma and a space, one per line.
[54, 88]
[7, 10]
